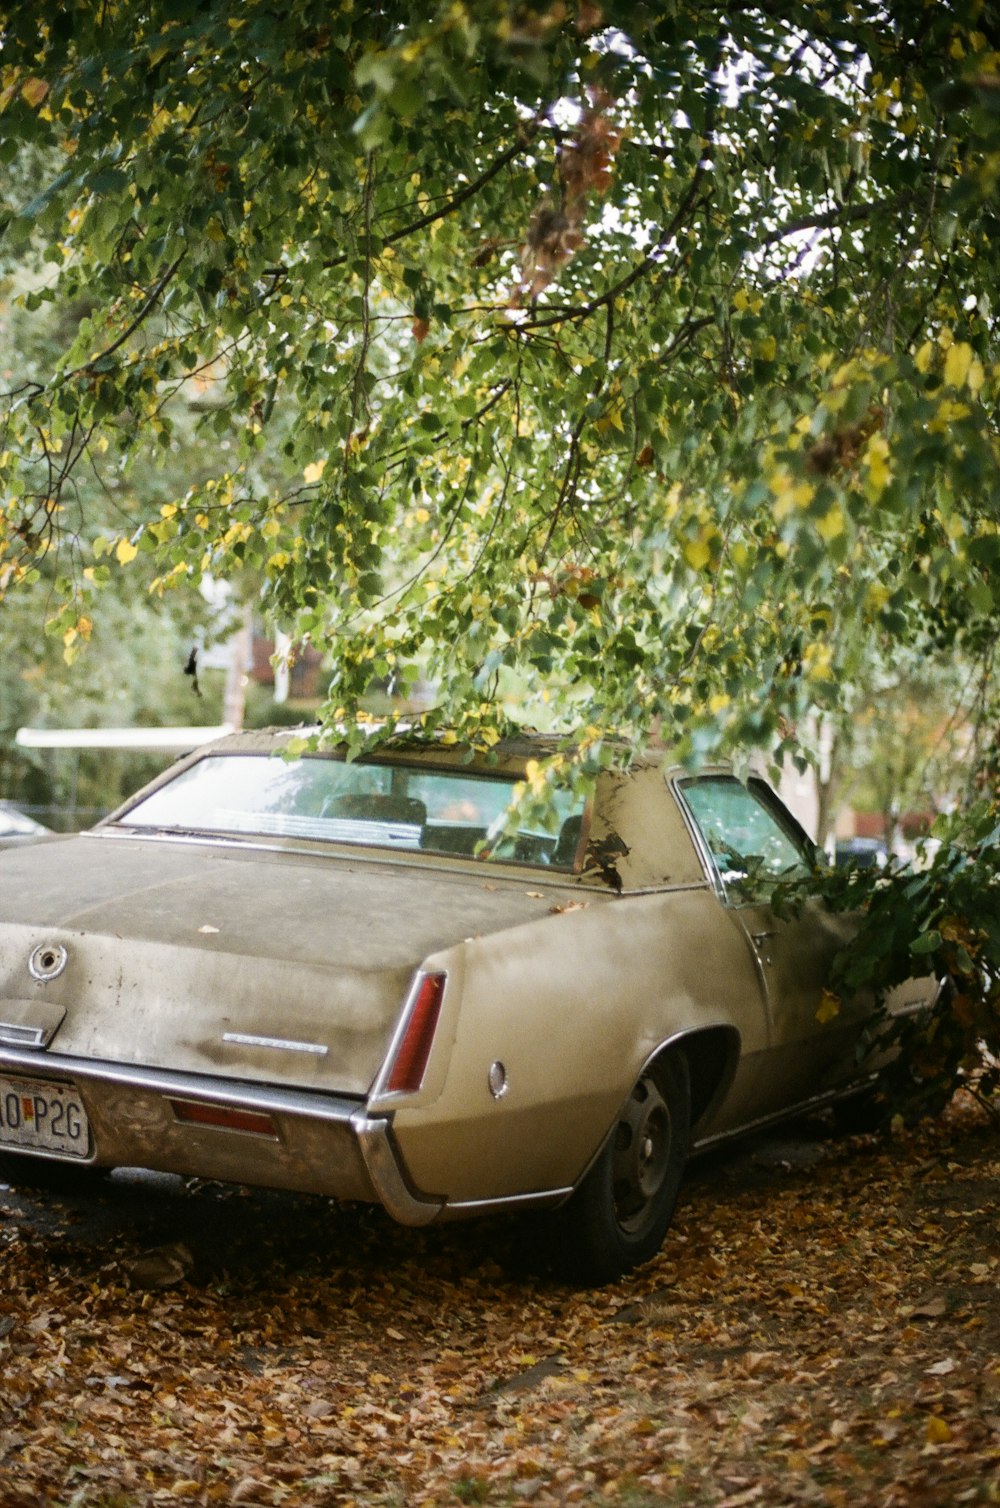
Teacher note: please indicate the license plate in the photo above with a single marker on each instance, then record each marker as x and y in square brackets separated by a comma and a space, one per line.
[44, 1117]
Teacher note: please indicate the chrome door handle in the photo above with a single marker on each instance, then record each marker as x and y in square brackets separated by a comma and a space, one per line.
[760, 942]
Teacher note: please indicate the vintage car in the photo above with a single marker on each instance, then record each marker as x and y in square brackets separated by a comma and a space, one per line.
[370, 980]
[17, 827]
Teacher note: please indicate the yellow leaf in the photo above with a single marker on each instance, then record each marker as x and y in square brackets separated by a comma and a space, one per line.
[33, 91]
[924, 357]
[877, 461]
[125, 551]
[314, 471]
[789, 494]
[831, 524]
[957, 363]
[697, 554]
[938, 1432]
[829, 1007]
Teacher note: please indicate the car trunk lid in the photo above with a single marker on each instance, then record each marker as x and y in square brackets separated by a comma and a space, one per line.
[271, 966]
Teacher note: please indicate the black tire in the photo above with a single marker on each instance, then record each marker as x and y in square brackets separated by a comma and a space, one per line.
[620, 1213]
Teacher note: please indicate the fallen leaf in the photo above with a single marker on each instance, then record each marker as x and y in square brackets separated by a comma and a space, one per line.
[161, 1268]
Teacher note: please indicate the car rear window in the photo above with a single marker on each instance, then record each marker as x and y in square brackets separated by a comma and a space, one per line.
[371, 804]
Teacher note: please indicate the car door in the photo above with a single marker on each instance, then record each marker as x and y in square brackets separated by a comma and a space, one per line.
[750, 841]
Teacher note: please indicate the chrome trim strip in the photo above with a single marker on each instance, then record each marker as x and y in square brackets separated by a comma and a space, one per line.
[791, 1112]
[266, 1097]
[544, 1199]
[282, 1044]
[492, 869]
[379, 1098]
[21, 1036]
[704, 854]
[917, 1007]
[382, 1162]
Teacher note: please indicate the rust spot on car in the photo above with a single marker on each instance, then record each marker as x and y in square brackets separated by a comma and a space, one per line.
[602, 858]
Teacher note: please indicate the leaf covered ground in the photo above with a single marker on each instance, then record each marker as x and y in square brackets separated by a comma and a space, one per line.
[822, 1327]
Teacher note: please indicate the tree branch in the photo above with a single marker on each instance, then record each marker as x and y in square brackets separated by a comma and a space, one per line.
[846, 214]
[150, 303]
[525, 136]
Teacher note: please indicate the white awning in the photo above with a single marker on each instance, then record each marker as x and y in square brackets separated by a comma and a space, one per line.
[137, 740]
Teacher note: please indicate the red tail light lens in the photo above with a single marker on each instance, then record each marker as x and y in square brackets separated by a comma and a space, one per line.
[225, 1117]
[407, 1072]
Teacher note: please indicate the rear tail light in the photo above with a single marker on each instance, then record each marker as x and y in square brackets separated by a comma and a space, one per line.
[225, 1117]
[409, 1061]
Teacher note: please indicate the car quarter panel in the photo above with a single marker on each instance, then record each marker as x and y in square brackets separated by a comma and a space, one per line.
[572, 1006]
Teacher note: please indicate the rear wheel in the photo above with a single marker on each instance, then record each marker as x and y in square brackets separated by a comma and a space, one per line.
[619, 1215]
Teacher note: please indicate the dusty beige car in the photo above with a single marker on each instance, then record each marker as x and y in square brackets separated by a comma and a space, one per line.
[362, 980]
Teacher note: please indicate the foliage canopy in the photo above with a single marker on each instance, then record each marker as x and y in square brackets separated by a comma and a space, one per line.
[637, 356]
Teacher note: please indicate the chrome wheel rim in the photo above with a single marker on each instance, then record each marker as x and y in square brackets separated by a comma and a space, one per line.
[641, 1156]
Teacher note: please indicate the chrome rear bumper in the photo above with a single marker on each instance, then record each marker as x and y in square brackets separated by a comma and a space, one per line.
[323, 1143]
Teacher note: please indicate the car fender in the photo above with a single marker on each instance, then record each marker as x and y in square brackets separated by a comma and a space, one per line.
[570, 1007]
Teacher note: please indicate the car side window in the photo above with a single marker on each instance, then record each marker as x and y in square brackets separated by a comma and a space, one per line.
[750, 844]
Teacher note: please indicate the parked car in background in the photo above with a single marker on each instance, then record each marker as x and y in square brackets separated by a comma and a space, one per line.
[373, 980]
[861, 853]
[16, 827]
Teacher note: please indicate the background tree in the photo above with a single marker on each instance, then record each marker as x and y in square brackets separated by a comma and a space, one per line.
[905, 745]
[122, 664]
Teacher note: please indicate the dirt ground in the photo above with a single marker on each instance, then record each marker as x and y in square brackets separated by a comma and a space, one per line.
[822, 1327]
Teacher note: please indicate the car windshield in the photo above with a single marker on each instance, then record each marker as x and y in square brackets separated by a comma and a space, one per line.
[375, 804]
